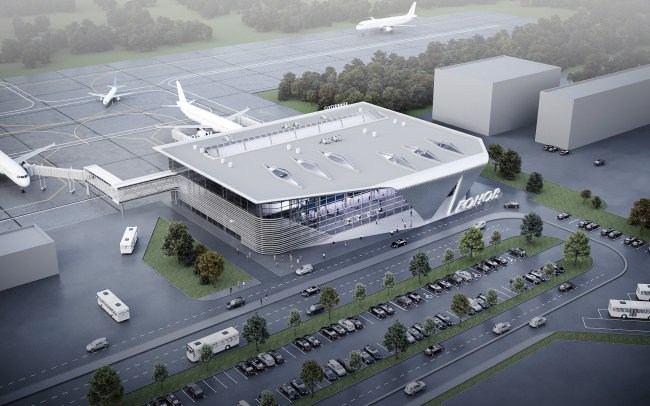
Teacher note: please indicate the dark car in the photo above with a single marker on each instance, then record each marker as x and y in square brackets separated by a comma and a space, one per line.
[329, 374]
[592, 226]
[339, 329]
[444, 284]
[160, 401]
[414, 297]
[511, 205]
[302, 344]
[373, 351]
[454, 279]
[312, 290]
[357, 323]
[532, 278]
[434, 349]
[553, 149]
[300, 387]
[386, 307]
[499, 260]
[546, 147]
[404, 301]
[599, 162]
[255, 364]
[367, 358]
[276, 356]
[245, 368]
[628, 240]
[482, 268]
[490, 263]
[559, 269]
[566, 286]
[434, 287]
[315, 309]
[419, 327]
[606, 231]
[172, 399]
[194, 390]
[563, 216]
[564, 152]
[638, 243]
[440, 325]
[398, 243]
[518, 252]
[538, 274]
[415, 333]
[289, 391]
[378, 312]
[482, 302]
[445, 319]
[235, 303]
[615, 234]
[584, 223]
[313, 341]
[344, 363]
[329, 333]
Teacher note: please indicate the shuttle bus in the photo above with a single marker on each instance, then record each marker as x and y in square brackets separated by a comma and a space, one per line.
[643, 291]
[223, 340]
[113, 306]
[629, 308]
[130, 237]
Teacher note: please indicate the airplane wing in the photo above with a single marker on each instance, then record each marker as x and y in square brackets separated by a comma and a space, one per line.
[123, 94]
[236, 115]
[97, 94]
[28, 155]
[402, 25]
[194, 126]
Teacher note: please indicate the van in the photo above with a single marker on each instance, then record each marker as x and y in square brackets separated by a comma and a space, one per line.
[130, 237]
[314, 309]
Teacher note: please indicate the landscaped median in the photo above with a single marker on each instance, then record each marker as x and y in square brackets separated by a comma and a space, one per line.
[181, 276]
[230, 359]
[560, 335]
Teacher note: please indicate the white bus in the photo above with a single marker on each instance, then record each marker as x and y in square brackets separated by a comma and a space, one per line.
[130, 237]
[629, 308]
[220, 341]
[643, 291]
[113, 306]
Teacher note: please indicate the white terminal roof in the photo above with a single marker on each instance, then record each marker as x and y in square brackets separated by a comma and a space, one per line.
[602, 83]
[264, 169]
[499, 68]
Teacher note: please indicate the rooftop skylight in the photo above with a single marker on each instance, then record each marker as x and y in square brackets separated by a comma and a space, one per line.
[312, 167]
[283, 175]
[423, 153]
[398, 160]
[339, 160]
[448, 146]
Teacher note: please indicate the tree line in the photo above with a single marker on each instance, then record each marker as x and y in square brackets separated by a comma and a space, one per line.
[32, 7]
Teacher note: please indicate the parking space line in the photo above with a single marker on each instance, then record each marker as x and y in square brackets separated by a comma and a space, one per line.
[296, 347]
[240, 372]
[365, 319]
[390, 301]
[219, 381]
[226, 373]
[289, 352]
[183, 390]
[209, 385]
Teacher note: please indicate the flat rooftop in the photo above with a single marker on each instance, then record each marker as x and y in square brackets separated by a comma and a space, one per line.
[602, 83]
[499, 68]
[22, 238]
[264, 169]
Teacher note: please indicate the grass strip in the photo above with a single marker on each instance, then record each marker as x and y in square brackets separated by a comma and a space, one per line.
[231, 358]
[183, 277]
[560, 335]
[567, 200]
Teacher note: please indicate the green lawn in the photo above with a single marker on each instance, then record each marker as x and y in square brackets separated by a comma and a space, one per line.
[280, 338]
[564, 199]
[560, 335]
[183, 277]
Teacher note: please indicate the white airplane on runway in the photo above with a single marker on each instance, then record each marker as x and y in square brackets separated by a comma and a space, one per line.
[205, 118]
[13, 169]
[112, 94]
[387, 24]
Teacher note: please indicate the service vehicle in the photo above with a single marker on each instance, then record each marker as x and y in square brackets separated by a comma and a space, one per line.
[130, 237]
[113, 305]
[398, 243]
[537, 321]
[629, 309]
[312, 290]
[223, 340]
[501, 328]
[414, 387]
[304, 269]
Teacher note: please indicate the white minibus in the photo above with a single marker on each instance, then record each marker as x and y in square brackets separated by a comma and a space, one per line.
[113, 306]
[629, 308]
[129, 239]
[643, 291]
[223, 340]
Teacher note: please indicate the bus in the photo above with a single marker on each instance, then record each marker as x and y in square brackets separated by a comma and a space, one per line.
[220, 341]
[643, 291]
[130, 237]
[113, 306]
[629, 308]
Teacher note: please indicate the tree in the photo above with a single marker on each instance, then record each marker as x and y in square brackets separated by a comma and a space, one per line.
[471, 241]
[206, 355]
[329, 298]
[355, 361]
[174, 242]
[577, 246]
[640, 214]
[535, 183]
[460, 306]
[518, 285]
[160, 372]
[255, 330]
[597, 202]
[495, 238]
[388, 282]
[549, 270]
[311, 374]
[491, 298]
[419, 265]
[268, 399]
[429, 327]
[510, 164]
[294, 319]
[105, 387]
[495, 152]
[185, 249]
[395, 338]
[212, 265]
[448, 257]
[359, 292]
[198, 251]
[586, 195]
[531, 226]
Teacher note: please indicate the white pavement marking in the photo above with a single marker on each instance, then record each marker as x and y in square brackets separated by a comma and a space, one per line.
[219, 381]
[209, 385]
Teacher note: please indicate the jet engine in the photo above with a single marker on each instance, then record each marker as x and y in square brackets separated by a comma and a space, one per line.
[387, 29]
[118, 98]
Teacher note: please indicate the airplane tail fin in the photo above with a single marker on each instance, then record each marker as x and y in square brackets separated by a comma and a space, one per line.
[115, 84]
[181, 95]
[411, 12]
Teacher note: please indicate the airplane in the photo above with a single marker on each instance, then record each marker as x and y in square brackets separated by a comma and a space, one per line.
[205, 118]
[13, 170]
[387, 24]
[112, 94]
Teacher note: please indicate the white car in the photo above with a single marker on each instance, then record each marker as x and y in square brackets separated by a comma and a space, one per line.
[304, 270]
[477, 307]
[501, 328]
[414, 387]
[347, 324]
[465, 275]
[537, 321]
[480, 225]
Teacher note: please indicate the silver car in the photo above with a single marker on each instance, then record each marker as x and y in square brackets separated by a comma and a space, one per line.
[97, 345]
[336, 367]
[414, 387]
[304, 270]
[537, 321]
[266, 359]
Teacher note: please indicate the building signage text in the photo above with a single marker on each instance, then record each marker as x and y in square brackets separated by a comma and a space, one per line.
[475, 201]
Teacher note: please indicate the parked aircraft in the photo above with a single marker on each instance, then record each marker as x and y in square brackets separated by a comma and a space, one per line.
[112, 94]
[387, 24]
[13, 169]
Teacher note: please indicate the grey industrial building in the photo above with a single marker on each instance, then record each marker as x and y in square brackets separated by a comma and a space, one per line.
[299, 181]
[27, 254]
[581, 113]
[493, 95]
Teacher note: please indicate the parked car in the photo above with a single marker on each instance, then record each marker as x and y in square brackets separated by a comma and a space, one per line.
[552, 149]
[410, 338]
[559, 269]
[482, 302]
[538, 274]
[414, 387]
[313, 341]
[414, 297]
[564, 152]
[546, 147]
[373, 351]
[419, 327]
[584, 223]
[304, 269]
[312, 290]
[339, 330]
[415, 333]
[446, 319]
[299, 385]
[386, 307]
[434, 287]
[398, 243]
[357, 323]
[440, 325]
[606, 231]
[404, 301]
[255, 364]
[518, 252]
[638, 243]
[499, 260]
[194, 390]
[329, 374]
[235, 303]
[378, 312]
[474, 305]
[513, 281]
[279, 359]
[172, 400]
[537, 321]
[480, 225]
[592, 226]
[245, 368]
[511, 205]
[531, 278]
[97, 344]
[454, 279]
[614, 234]
[434, 349]
[563, 216]
[302, 344]
[628, 240]
[465, 275]
[337, 368]
[599, 162]
[491, 264]
[501, 328]
[482, 268]
[367, 358]
[482, 296]
[289, 391]
[444, 284]
[159, 401]
[266, 359]
[345, 363]
[348, 325]
[314, 309]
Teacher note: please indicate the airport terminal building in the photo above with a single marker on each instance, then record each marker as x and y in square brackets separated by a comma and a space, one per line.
[295, 182]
